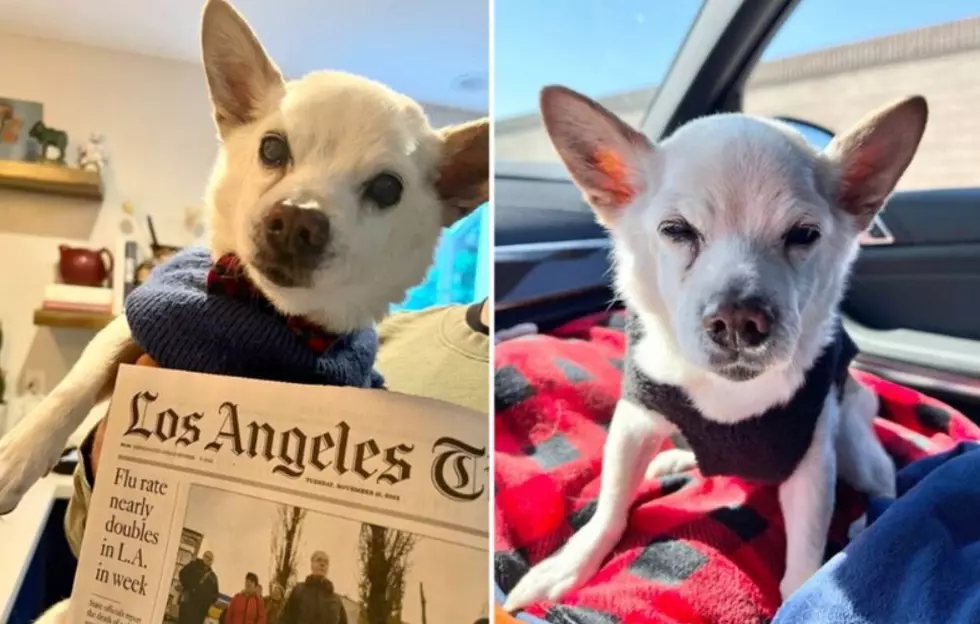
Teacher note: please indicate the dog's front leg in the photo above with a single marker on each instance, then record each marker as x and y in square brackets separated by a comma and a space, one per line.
[634, 436]
[862, 461]
[807, 502]
[36, 443]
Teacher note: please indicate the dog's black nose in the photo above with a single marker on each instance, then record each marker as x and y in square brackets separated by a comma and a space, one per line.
[738, 325]
[299, 233]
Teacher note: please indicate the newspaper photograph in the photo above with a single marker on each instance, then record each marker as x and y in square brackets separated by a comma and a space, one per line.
[225, 500]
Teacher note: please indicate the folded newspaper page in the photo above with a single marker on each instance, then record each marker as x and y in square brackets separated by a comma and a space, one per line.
[233, 500]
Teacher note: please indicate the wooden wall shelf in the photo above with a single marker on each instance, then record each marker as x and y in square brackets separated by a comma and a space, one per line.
[72, 320]
[52, 179]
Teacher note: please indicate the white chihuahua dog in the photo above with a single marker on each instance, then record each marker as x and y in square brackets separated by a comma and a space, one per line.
[733, 240]
[332, 190]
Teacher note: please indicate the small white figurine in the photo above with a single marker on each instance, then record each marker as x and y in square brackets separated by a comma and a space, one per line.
[92, 156]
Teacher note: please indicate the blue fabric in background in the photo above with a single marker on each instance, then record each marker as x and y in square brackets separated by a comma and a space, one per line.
[917, 562]
[461, 271]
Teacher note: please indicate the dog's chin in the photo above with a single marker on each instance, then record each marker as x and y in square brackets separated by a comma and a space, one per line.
[739, 371]
[737, 367]
[283, 275]
[336, 307]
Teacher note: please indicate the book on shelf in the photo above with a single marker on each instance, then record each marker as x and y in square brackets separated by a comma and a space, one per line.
[82, 308]
[67, 294]
[78, 299]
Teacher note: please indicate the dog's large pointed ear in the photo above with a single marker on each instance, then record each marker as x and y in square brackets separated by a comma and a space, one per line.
[463, 179]
[241, 77]
[874, 154]
[606, 157]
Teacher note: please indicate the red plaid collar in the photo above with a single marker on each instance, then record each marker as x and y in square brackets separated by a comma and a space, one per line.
[227, 278]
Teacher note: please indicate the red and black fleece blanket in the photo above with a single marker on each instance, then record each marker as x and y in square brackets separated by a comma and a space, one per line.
[697, 549]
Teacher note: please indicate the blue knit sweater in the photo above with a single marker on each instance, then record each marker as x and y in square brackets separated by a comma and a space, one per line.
[181, 326]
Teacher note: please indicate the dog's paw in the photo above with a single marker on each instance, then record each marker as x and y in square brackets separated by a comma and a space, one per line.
[552, 579]
[882, 477]
[857, 527]
[669, 462]
[564, 571]
[25, 457]
[793, 579]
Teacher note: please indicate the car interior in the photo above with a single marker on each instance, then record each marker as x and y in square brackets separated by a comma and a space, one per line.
[911, 305]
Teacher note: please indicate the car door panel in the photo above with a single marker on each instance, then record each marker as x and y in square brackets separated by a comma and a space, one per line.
[923, 350]
[547, 242]
[912, 306]
[528, 210]
[944, 217]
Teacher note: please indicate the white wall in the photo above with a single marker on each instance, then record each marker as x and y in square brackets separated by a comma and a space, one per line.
[155, 116]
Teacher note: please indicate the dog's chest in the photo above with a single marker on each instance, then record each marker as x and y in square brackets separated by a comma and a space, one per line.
[766, 447]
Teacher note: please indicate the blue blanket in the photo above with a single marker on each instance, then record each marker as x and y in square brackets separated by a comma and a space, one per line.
[918, 560]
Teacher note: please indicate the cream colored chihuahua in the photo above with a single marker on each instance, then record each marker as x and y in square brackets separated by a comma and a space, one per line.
[733, 240]
[332, 190]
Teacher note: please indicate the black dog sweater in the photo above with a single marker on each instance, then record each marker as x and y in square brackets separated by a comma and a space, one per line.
[766, 447]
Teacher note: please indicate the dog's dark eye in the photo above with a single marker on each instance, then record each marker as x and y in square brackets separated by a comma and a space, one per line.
[274, 151]
[680, 232]
[384, 190]
[802, 236]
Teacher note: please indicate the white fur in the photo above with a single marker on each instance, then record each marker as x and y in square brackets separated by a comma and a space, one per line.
[670, 462]
[342, 131]
[36, 442]
[741, 182]
[717, 398]
[861, 460]
[58, 614]
[807, 501]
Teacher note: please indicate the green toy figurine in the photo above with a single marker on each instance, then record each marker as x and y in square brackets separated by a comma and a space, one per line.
[50, 137]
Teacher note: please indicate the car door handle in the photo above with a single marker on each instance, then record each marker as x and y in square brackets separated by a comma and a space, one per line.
[876, 234]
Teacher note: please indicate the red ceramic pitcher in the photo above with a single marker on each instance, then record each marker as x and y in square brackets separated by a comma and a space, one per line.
[85, 267]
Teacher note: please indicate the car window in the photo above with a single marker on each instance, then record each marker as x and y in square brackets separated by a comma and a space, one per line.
[833, 61]
[616, 52]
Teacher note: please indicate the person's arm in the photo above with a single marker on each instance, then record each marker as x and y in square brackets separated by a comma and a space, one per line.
[343, 613]
[184, 574]
[213, 586]
[229, 613]
[82, 479]
[261, 610]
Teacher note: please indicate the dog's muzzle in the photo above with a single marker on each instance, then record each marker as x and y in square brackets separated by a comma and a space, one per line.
[738, 325]
[292, 240]
[741, 332]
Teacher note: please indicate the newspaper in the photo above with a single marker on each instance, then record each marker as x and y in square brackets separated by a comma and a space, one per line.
[220, 497]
